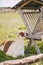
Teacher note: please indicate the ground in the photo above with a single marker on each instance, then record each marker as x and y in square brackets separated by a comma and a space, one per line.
[10, 24]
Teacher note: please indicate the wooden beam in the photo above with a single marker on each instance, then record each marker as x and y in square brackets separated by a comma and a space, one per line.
[33, 37]
[25, 61]
[38, 2]
[28, 1]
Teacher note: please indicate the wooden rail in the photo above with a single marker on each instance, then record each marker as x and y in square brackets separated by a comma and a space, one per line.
[25, 61]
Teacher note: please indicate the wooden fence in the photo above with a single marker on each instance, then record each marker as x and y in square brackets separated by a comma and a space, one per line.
[25, 61]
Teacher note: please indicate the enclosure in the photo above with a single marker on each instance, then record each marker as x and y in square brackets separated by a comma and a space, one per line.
[30, 14]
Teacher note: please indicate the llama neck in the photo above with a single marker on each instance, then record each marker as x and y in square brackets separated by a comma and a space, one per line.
[20, 36]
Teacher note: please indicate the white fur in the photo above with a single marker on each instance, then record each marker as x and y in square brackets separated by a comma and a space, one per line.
[2, 47]
[16, 48]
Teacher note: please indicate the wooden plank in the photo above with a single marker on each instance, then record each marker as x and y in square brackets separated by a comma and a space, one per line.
[28, 1]
[25, 3]
[36, 36]
[33, 37]
[24, 61]
[38, 2]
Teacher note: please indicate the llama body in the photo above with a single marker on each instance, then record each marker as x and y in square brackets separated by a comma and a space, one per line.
[16, 48]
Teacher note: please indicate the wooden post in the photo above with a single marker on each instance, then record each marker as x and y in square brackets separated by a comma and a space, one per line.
[36, 47]
[28, 46]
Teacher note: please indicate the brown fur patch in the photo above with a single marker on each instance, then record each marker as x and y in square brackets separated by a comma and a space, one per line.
[7, 45]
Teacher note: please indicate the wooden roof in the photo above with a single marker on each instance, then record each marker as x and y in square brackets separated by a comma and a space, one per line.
[29, 4]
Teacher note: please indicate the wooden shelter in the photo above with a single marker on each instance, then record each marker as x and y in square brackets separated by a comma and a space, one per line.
[31, 12]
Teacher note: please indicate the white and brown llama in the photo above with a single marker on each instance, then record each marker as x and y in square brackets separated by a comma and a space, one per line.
[14, 48]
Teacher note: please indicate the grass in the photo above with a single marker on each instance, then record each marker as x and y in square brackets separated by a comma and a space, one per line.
[38, 63]
[4, 57]
[32, 51]
[10, 24]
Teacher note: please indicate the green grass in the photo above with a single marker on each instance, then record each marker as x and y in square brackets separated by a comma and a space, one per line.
[4, 57]
[32, 51]
[10, 24]
[38, 63]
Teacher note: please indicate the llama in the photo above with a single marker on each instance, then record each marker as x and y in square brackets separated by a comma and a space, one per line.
[15, 48]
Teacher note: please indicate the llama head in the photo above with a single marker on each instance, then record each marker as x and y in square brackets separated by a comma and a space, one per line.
[21, 33]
